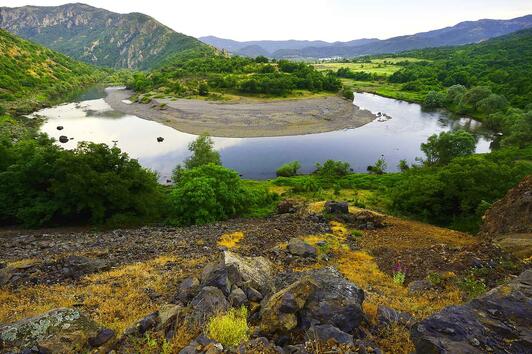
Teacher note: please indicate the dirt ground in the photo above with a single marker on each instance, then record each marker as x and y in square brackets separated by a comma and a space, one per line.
[248, 118]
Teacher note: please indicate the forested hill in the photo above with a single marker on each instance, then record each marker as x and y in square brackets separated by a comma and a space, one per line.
[32, 75]
[98, 36]
[503, 64]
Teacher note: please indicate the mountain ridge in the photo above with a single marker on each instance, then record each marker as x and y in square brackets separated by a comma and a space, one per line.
[464, 32]
[98, 36]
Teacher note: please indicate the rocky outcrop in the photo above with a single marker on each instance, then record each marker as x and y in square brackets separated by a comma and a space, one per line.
[500, 321]
[511, 214]
[298, 247]
[62, 330]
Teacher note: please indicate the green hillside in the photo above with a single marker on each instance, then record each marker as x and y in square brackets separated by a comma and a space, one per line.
[32, 76]
[98, 36]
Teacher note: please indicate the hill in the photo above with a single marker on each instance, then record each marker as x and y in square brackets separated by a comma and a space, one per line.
[462, 33]
[98, 36]
[32, 75]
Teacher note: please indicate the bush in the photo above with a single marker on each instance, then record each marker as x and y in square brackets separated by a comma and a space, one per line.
[348, 94]
[442, 148]
[203, 153]
[230, 329]
[211, 192]
[288, 169]
[331, 169]
[379, 168]
[434, 99]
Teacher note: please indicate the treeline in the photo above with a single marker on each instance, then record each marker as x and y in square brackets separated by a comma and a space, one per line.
[219, 74]
[32, 76]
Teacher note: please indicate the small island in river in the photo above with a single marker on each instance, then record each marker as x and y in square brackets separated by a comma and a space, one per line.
[247, 118]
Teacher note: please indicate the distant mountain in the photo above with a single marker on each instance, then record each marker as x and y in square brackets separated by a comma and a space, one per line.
[32, 75]
[462, 33]
[98, 36]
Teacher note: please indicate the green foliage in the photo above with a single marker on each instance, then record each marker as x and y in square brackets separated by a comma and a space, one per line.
[434, 99]
[42, 184]
[403, 165]
[211, 192]
[32, 76]
[472, 287]
[230, 329]
[399, 278]
[203, 152]
[332, 169]
[348, 94]
[380, 166]
[288, 169]
[441, 149]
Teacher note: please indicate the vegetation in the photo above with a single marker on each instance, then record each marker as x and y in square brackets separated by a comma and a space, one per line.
[288, 169]
[230, 329]
[217, 75]
[32, 76]
[442, 148]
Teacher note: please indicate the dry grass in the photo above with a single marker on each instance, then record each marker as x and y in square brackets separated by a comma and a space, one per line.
[230, 240]
[115, 299]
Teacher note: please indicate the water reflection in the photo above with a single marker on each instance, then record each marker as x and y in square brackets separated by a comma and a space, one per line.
[396, 138]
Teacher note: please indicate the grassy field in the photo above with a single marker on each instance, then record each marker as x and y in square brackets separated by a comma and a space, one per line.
[381, 66]
[384, 88]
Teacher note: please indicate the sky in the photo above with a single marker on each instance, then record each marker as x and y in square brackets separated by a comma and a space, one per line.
[331, 20]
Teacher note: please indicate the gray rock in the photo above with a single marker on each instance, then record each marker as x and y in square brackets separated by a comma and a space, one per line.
[254, 272]
[208, 302]
[387, 316]
[328, 332]
[75, 267]
[103, 336]
[63, 139]
[61, 330]
[333, 207]
[215, 274]
[188, 288]
[298, 247]
[147, 323]
[253, 295]
[419, 286]
[237, 297]
[500, 321]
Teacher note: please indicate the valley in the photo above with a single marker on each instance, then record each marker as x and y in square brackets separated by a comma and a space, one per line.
[166, 194]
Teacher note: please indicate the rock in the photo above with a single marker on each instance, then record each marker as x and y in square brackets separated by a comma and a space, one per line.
[387, 316]
[237, 297]
[418, 286]
[278, 315]
[366, 219]
[511, 214]
[75, 267]
[103, 336]
[286, 207]
[326, 333]
[147, 323]
[297, 247]
[208, 302]
[59, 127]
[335, 301]
[188, 288]
[332, 207]
[254, 272]
[215, 274]
[168, 314]
[259, 345]
[253, 295]
[63, 139]
[160, 139]
[365, 346]
[62, 330]
[500, 321]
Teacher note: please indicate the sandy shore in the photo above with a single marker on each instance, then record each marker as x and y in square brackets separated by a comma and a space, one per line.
[247, 119]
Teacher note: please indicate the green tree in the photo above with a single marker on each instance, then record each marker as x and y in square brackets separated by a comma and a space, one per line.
[441, 149]
[380, 166]
[434, 99]
[288, 169]
[332, 169]
[203, 152]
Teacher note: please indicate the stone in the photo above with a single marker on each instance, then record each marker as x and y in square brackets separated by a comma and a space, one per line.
[59, 127]
[207, 303]
[103, 336]
[215, 274]
[147, 323]
[188, 288]
[62, 330]
[387, 316]
[300, 248]
[253, 295]
[326, 333]
[237, 297]
[259, 345]
[255, 272]
[168, 314]
[160, 139]
[335, 301]
[278, 315]
[333, 207]
[500, 321]
[419, 286]
[75, 267]
[63, 139]
[286, 207]
[365, 346]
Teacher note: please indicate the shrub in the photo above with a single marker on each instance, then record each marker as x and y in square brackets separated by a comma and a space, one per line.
[434, 99]
[442, 148]
[472, 287]
[331, 169]
[348, 94]
[379, 168]
[230, 329]
[288, 169]
[203, 153]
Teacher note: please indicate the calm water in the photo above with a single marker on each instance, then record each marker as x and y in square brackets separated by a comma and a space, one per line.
[91, 119]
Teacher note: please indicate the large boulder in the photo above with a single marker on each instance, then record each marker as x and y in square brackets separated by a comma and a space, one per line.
[333, 207]
[62, 330]
[250, 272]
[511, 214]
[208, 302]
[298, 247]
[500, 321]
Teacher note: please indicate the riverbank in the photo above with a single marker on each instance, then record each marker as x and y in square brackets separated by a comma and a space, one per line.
[247, 119]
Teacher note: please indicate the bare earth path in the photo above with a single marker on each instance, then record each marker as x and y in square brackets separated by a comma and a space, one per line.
[247, 119]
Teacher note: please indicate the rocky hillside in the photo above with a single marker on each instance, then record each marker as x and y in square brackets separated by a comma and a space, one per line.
[32, 75]
[98, 36]
[315, 278]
